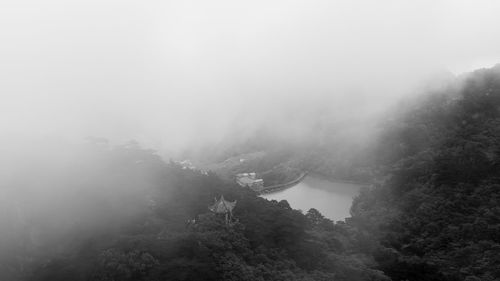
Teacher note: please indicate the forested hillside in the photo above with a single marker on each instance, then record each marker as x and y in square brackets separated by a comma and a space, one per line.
[109, 213]
[121, 213]
[436, 213]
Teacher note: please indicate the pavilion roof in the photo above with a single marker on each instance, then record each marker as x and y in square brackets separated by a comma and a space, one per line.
[222, 206]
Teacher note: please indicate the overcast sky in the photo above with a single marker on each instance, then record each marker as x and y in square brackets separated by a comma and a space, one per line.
[169, 73]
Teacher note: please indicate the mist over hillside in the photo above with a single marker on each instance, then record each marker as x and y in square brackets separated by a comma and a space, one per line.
[263, 140]
[98, 211]
[176, 75]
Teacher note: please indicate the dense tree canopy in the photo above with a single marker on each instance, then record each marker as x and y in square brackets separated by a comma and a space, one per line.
[121, 213]
[436, 214]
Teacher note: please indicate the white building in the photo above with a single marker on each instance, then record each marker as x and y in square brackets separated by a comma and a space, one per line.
[250, 180]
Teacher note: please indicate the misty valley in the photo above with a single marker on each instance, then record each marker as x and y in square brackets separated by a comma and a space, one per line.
[415, 195]
[263, 140]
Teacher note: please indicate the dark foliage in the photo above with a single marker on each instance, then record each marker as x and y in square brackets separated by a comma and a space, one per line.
[132, 225]
[433, 214]
[436, 215]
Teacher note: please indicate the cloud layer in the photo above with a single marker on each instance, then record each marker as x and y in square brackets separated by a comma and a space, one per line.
[174, 73]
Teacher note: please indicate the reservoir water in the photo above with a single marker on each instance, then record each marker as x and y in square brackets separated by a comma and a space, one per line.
[332, 199]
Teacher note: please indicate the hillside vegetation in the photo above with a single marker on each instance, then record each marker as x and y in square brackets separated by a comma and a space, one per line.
[120, 213]
[436, 213]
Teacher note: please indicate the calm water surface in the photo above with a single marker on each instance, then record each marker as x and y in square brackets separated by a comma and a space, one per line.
[332, 199]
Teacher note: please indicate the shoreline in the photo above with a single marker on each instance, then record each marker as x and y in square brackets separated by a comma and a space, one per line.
[282, 186]
[332, 179]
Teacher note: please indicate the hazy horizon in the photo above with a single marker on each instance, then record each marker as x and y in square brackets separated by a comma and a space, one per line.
[176, 74]
[347, 140]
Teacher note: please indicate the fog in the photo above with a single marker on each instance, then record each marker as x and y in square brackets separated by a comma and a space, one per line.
[174, 74]
[180, 75]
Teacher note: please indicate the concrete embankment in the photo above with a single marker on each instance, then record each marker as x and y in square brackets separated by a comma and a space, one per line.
[278, 187]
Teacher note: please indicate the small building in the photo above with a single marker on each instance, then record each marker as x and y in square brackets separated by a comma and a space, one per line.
[250, 180]
[222, 206]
